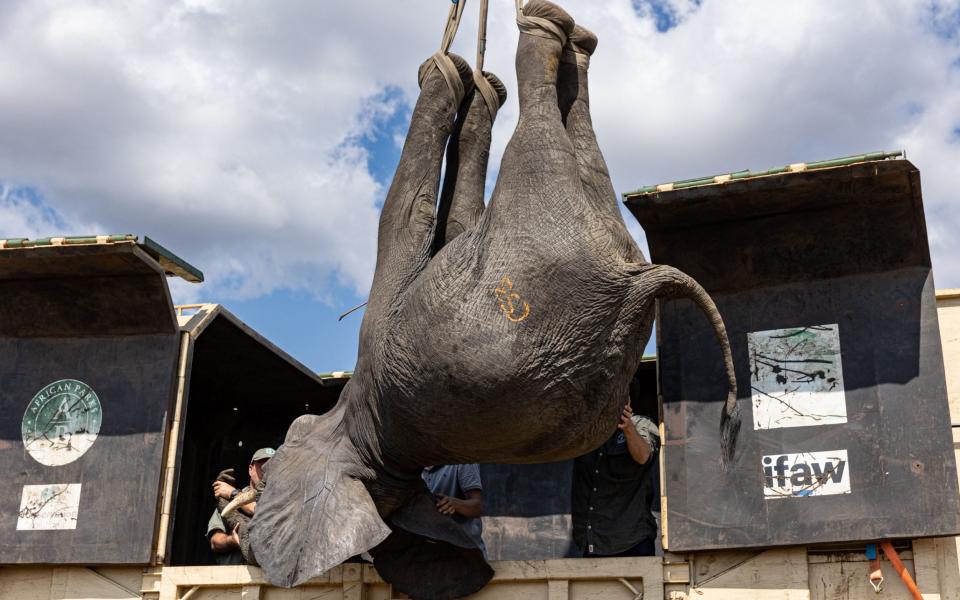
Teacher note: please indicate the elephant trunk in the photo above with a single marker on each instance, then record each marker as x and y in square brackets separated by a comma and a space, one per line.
[242, 499]
[673, 283]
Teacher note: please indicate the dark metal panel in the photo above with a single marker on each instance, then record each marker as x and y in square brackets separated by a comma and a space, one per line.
[845, 249]
[90, 290]
[113, 516]
[901, 467]
[526, 508]
[527, 511]
[243, 392]
[88, 306]
[788, 228]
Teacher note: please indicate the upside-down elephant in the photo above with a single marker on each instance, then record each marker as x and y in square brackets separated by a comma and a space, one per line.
[507, 333]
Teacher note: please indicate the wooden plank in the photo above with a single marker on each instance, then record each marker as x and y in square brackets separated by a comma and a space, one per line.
[352, 582]
[26, 583]
[678, 572]
[948, 313]
[251, 592]
[529, 579]
[925, 569]
[558, 589]
[774, 574]
[578, 568]
[845, 577]
[937, 568]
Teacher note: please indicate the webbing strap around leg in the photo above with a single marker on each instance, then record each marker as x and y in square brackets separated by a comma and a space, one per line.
[451, 75]
[574, 54]
[440, 59]
[486, 90]
[539, 26]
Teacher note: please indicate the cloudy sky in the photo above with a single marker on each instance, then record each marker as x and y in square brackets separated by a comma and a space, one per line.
[256, 139]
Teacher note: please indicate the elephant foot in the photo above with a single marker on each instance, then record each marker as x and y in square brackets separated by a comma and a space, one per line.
[492, 90]
[581, 44]
[455, 71]
[545, 19]
[429, 555]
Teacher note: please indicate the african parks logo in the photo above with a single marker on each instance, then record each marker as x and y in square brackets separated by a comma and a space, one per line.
[61, 422]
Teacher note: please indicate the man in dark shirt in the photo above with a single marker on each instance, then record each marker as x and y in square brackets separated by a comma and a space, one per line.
[612, 489]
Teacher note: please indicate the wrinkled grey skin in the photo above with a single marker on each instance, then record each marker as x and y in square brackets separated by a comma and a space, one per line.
[510, 340]
[461, 199]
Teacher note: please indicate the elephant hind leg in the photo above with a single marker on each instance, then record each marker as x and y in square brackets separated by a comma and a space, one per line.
[574, 100]
[468, 153]
[538, 173]
[544, 28]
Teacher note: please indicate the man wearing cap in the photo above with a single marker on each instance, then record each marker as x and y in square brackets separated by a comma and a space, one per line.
[612, 491]
[224, 534]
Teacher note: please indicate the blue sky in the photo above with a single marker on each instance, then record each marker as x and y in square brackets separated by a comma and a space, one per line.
[257, 139]
[296, 321]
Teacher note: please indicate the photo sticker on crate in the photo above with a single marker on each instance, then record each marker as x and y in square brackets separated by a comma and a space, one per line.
[796, 377]
[53, 506]
[806, 474]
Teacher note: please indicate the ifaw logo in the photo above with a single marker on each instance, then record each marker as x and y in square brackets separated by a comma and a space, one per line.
[806, 474]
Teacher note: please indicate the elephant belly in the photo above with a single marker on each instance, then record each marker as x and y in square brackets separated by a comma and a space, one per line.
[524, 365]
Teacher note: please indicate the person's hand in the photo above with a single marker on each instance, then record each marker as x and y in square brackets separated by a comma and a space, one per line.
[447, 505]
[235, 534]
[222, 489]
[626, 421]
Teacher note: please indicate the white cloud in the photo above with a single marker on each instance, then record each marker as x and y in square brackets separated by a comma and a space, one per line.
[233, 131]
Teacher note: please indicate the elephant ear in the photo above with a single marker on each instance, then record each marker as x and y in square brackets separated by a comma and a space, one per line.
[429, 555]
[312, 514]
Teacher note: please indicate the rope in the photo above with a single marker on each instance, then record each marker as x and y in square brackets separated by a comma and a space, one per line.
[441, 61]
[574, 54]
[453, 24]
[489, 94]
[486, 90]
[538, 26]
[482, 35]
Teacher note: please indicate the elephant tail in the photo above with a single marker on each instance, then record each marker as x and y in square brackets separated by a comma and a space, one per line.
[670, 282]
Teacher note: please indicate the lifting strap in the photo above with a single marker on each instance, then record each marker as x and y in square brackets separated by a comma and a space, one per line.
[894, 558]
[486, 90]
[876, 576]
[539, 26]
[441, 61]
[575, 54]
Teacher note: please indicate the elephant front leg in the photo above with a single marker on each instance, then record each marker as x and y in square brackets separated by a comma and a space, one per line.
[461, 199]
[407, 218]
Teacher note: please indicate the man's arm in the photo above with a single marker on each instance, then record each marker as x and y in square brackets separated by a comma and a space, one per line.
[249, 509]
[639, 448]
[472, 506]
[222, 489]
[221, 542]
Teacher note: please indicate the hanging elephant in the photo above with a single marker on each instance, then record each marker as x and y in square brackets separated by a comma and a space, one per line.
[505, 334]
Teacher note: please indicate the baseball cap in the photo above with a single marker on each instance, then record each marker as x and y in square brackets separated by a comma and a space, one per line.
[263, 454]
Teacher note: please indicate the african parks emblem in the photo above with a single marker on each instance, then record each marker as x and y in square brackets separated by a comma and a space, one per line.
[61, 422]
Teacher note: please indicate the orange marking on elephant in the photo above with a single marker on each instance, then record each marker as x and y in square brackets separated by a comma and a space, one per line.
[507, 299]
